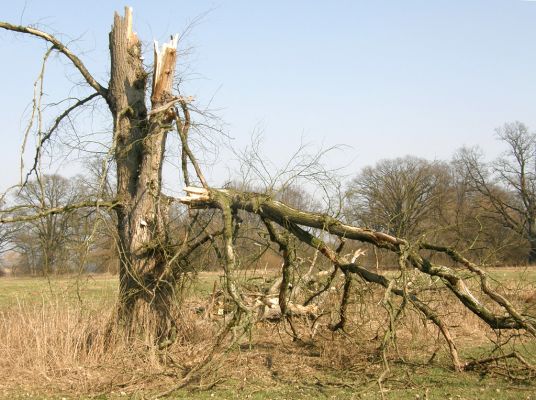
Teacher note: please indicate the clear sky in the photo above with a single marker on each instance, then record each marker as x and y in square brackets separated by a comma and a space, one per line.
[386, 78]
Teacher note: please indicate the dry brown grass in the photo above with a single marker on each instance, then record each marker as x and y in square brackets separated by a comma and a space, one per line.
[51, 346]
[61, 348]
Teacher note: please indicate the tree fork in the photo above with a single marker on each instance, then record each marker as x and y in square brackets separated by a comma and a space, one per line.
[138, 144]
[287, 251]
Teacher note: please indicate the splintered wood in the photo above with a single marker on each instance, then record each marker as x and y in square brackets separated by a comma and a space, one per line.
[175, 99]
[194, 194]
[131, 36]
[164, 70]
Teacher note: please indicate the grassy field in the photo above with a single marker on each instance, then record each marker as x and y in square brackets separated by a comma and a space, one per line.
[83, 289]
[265, 365]
[96, 288]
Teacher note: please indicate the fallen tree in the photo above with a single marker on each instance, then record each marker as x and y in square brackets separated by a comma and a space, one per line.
[293, 221]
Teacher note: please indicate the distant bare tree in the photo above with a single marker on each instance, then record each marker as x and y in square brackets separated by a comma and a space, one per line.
[507, 183]
[397, 196]
[43, 242]
[7, 234]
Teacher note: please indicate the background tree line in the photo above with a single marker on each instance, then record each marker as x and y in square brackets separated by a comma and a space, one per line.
[485, 209]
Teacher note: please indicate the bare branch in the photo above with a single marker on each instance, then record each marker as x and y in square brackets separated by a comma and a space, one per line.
[62, 49]
[501, 300]
[468, 366]
[57, 210]
[183, 128]
[49, 133]
[290, 219]
[289, 259]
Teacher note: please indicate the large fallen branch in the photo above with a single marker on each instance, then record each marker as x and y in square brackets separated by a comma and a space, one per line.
[293, 220]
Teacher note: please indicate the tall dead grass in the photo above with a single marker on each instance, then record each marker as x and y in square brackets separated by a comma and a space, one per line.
[56, 346]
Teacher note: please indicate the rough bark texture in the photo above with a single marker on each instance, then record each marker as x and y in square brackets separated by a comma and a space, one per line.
[139, 140]
[532, 251]
[147, 274]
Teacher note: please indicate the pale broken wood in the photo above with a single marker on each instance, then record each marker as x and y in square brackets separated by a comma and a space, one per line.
[194, 194]
[270, 310]
[131, 36]
[358, 253]
[195, 189]
[165, 59]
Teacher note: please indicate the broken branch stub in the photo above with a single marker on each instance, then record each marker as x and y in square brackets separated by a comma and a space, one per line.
[194, 196]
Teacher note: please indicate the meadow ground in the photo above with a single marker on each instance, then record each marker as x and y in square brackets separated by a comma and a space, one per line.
[44, 324]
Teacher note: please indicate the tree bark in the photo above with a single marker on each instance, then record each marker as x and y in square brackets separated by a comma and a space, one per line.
[138, 145]
[532, 251]
[146, 293]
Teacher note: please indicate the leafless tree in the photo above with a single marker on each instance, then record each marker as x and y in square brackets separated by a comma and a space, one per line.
[43, 242]
[138, 144]
[398, 196]
[7, 235]
[508, 183]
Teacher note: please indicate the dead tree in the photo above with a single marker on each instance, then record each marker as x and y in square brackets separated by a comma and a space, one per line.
[138, 142]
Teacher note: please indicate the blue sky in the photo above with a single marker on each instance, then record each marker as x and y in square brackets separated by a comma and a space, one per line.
[385, 78]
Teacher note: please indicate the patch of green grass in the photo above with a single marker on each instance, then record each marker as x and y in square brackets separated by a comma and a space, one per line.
[93, 288]
[83, 289]
[203, 284]
[520, 274]
[87, 289]
[405, 383]
[430, 383]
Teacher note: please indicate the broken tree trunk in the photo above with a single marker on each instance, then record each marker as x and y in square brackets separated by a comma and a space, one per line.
[147, 273]
[146, 292]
